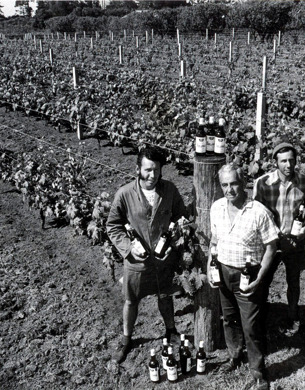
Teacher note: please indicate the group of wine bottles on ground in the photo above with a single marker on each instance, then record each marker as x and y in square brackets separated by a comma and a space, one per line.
[171, 366]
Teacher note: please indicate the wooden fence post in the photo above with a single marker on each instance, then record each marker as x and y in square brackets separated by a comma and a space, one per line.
[75, 77]
[182, 68]
[207, 326]
[261, 114]
[51, 56]
[120, 54]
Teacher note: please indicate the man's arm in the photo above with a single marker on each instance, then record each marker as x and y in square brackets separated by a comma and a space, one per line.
[270, 250]
[117, 233]
[258, 191]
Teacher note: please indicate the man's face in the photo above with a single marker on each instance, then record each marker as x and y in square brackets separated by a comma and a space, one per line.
[149, 173]
[286, 163]
[232, 188]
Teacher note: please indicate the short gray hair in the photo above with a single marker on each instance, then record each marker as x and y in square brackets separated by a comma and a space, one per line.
[232, 167]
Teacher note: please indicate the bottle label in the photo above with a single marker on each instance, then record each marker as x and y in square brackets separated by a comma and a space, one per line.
[201, 145]
[188, 364]
[164, 362]
[172, 373]
[210, 143]
[154, 374]
[220, 145]
[215, 275]
[200, 365]
[160, 245]
[137, 245]
[296, 228]
[244, 281]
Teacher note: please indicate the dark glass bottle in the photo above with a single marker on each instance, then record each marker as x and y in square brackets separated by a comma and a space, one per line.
[298, 222]
[135, 240]
[164, 354]
[164, 241]
[210, 133]
[245, 275]
[201, 139]
[154, 367]
[172, 372]
[181, 348]
[220, 138]
[200, 359]
[214, 268]
[186, 358]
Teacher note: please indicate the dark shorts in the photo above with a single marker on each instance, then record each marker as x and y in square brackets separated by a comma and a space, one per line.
[137, 285]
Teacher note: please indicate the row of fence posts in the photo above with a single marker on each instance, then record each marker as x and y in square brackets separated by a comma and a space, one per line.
[183, 65]
[261, 96]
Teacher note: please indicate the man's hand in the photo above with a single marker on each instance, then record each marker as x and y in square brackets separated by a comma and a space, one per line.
[301, 236]
[138, 255]
[251, 288]
[210, 279]
[166, 254]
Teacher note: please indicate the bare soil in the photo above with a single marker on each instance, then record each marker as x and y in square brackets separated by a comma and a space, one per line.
[61, 314]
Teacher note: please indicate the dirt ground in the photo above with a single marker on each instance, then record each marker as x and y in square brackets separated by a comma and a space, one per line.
[61, 314]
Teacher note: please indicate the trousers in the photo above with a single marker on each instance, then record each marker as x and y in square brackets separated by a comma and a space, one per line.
[241, 320]
[292, 262]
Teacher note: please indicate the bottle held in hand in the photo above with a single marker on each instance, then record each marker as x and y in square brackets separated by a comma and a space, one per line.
[214, 268]
[135, 240]
[298, 222]
[245, 275]
[200, 359]
[154, 368]
[164, 241]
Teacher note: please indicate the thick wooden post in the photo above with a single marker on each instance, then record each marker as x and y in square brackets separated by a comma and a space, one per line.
[207, 189]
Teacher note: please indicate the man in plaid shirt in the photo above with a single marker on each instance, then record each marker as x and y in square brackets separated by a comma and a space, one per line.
[240, 228]
[282, 192]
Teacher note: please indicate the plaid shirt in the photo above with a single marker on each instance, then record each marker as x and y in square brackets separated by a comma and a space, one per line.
[253, 227]
[282, 199]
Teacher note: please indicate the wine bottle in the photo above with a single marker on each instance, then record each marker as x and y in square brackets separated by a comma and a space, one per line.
[164, 241]
[200, 359]
[181, 348]
[245, 275]
[164, 354]
[210, 134]
[201, 139]
[220, 138]
[154, 367]
[214, 268]
[172, 372]
[135, 240]
[186, 358]
[298, 222]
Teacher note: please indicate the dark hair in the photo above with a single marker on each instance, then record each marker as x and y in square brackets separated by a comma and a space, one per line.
[286, 149]
[152, 154]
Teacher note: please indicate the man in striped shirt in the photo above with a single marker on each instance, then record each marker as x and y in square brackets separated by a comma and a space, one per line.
[240, 228]
[282, 192]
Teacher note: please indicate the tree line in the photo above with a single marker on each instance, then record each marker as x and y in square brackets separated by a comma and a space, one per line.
[265, 17]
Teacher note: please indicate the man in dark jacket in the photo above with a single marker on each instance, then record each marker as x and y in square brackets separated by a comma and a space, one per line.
[149, 204]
